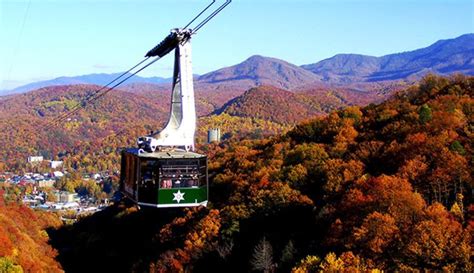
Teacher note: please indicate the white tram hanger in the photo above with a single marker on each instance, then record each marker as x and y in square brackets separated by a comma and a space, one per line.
[180, 129]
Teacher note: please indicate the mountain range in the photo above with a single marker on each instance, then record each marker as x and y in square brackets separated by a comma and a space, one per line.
[443, 57]
[98, 79]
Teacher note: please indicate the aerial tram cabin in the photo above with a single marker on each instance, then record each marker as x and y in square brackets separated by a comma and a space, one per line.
[164, 171]
[174, 178]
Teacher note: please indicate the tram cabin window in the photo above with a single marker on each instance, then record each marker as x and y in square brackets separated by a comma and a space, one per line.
[149, 173]
[182, 174]
[128, 173]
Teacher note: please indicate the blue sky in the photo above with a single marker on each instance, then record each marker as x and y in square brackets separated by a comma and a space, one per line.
[47, 39]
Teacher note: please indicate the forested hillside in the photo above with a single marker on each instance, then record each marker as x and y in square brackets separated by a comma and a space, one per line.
[289, 108]
[88, 141]
[23, 240]
[270, 103]
[25, 119]
[385, 187]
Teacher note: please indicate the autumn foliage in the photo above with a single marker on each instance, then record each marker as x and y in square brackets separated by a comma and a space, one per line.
[388, 185]
[384, 187]
[24, 241]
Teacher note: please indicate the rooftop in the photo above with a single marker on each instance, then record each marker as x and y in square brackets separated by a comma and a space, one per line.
[166, 154]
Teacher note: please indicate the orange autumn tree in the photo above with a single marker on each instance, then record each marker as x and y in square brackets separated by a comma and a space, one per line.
[201, 238]
[23, 239]
[438, 241]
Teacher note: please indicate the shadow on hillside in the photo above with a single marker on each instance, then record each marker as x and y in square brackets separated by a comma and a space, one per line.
[118, 239]
[112, 240]
[295, 223]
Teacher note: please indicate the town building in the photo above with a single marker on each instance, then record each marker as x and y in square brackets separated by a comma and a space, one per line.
[66, 197]
[45, 183]
[55, 164]
[58, 174]
[35, 159]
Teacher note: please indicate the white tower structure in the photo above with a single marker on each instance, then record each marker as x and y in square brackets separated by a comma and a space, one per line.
[180, 129]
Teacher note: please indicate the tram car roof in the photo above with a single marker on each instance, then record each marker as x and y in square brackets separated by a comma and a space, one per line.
[165, 154]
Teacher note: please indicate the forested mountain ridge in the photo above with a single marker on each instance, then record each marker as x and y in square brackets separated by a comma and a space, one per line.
[258, 70]
[270, 103]
[383, 187]
[286, 107]
[443, 57]
[93, 79]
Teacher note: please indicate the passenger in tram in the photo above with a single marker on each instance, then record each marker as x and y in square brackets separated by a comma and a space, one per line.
[192, 183]
[177, 183]
[166, 184]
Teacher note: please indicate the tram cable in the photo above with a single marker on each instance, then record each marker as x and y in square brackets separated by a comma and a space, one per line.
[212, 15]
[18, 41]
[97, 94]
[89, 98]
[128, 77]
[197, 16]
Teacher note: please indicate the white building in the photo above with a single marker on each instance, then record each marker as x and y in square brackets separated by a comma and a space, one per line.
[55, 164]
[66, 197]
[45, 183]
[58, 174]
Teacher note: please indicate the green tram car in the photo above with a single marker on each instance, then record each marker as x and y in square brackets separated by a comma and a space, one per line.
[164, 179]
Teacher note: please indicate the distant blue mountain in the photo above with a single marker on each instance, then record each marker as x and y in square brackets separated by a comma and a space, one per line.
[98, 79]
[443, 57]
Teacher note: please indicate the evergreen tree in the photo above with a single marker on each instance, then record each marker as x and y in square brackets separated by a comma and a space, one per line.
[288, 253]
[457, 147]
[424, 114]
[262, 258]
